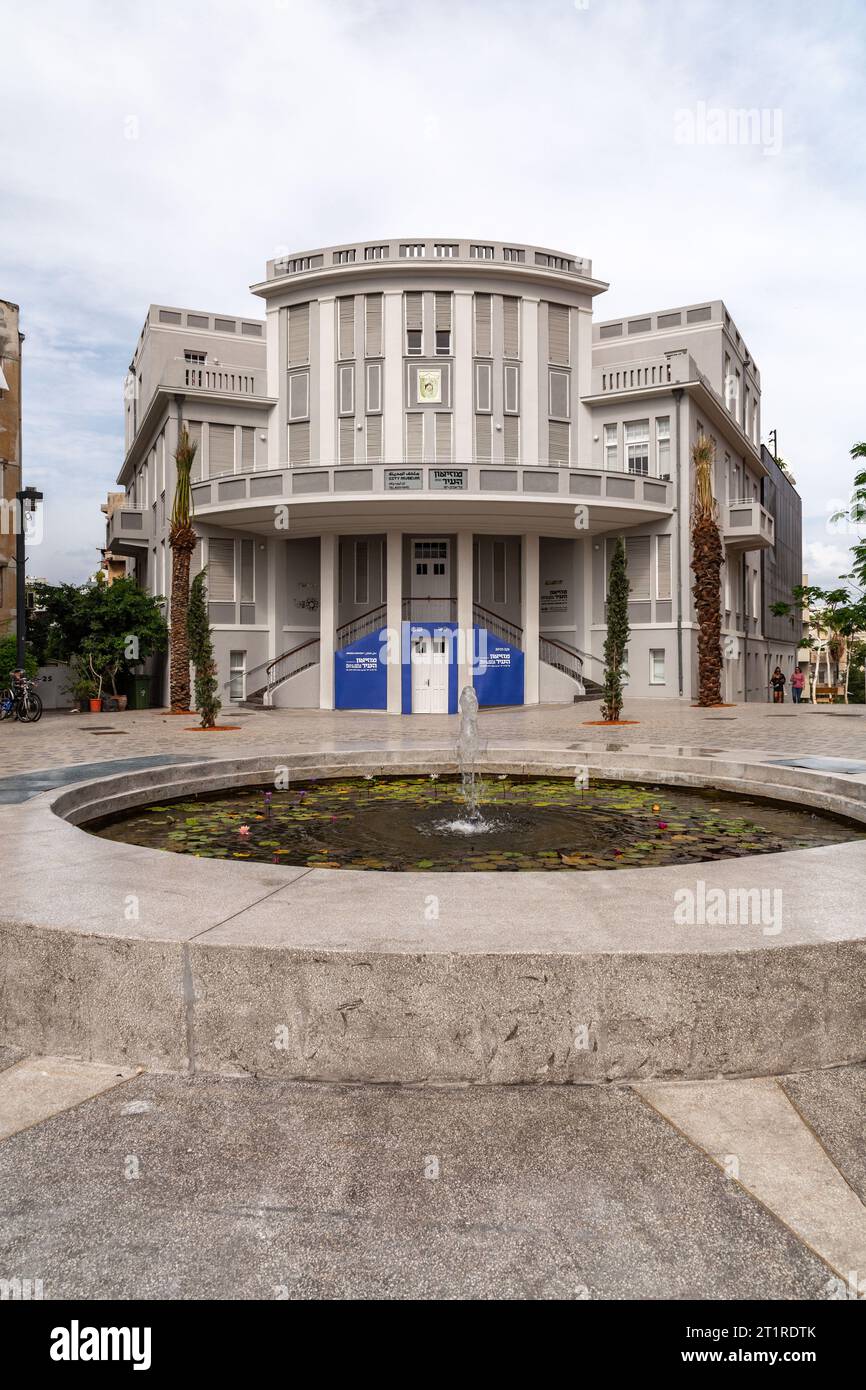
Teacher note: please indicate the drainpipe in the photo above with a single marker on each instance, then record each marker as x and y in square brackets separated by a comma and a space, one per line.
[678, 396]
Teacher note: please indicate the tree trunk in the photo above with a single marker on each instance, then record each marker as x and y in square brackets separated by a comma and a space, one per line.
[707, 560]
[179, 689]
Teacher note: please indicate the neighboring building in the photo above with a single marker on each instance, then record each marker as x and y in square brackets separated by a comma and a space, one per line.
[430, 439]
[10, 456]
[115, 566]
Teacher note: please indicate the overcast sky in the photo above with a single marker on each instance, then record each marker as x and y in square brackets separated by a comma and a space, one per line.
[161, 153]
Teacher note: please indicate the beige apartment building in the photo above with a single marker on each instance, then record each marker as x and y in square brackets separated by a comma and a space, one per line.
[412, 470]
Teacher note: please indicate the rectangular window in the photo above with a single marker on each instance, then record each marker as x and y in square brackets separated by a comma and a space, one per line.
[663, 445]
[376, 253]
[248, 448]
[443, 325]
[220, 570]
[637, 554]
[511, 388]
[444, 249]
[248, 571]
[663, 567]
[221, 445]
[481, 253]
[237, 675]
[511, 326]
[374, 388]
[611, 447]
[415, 437]
[657, 665]
[362, 575]
[511, 438]
[499, 588]
[299, 443]
[346, 390]
[343, 257]
[413, 249]
[299, 395]
[346, 326]
[347, 439]
[414, 313]
[373, 325]
[483, 326]
[559, 404]
[374, 439]
[558, 442]
[443, 437]
[483, 387]
[195, 359]
[637, 446]
[482, 438]
[557, 334]
[513, 253]
[299, 334]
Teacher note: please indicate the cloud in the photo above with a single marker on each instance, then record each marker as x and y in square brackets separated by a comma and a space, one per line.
[162, 153]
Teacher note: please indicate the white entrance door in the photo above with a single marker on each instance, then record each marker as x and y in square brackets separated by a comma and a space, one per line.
[429, 674]
[431, 581]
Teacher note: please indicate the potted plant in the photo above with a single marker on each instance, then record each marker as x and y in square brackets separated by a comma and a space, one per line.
[83, 687]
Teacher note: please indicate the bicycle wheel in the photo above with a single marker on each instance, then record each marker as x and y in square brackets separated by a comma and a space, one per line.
[30, 708]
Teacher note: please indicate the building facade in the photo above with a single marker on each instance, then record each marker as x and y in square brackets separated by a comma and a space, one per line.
[412, 471]
[10, 457]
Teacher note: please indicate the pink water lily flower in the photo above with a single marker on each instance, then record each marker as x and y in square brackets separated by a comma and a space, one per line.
[243, 830]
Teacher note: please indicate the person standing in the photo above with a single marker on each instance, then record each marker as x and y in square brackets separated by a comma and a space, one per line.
[798, 680]
[777, 681]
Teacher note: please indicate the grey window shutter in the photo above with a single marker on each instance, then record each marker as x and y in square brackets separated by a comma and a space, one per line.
[248, 447]
[511, 393]
[663, 544]
[559, 395]
[347, 440]
[483, 329]
[220, 570]
[221, 444]
[557, 441]
[248, 573]
[482, 438]
[637, 554]
[415, 437]
[443, 438]
[262, 450]
[299, 443]
[511, 438]
[373, 327]
[557, 333]
[483, 387]
[511, 326]
[299, 395]
[346, 325]
[346, 403]
[299, 334]
[374, 387]
[443, 312]
[414, 311]
[374, 439]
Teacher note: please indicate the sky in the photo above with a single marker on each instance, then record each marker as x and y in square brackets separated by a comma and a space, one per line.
[161, 153]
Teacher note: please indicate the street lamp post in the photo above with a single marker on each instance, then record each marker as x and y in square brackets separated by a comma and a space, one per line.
[26, 499]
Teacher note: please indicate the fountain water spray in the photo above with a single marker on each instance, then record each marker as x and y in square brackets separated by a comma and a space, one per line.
[468, 748]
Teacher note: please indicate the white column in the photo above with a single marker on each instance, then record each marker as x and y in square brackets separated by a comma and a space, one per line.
[392, 390]
[465, 601]
[463, 442]
[327, 385]
[328, 559]
[530, 604]
[394, 618]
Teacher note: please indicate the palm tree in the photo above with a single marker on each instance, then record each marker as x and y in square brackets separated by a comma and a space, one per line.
[708, 556]
[182, 540]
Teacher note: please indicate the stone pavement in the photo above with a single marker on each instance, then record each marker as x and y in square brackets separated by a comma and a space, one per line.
[169, 1187]
[60, 740]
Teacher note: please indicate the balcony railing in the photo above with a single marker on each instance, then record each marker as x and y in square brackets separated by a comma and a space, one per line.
[131, 523]
[643, 373]
[746, 525]
[238, 380]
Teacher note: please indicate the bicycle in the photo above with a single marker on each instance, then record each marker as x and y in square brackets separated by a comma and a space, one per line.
[21, 701]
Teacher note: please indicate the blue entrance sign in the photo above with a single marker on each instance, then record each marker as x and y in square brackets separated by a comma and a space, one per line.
[361, 674]
[498, 674]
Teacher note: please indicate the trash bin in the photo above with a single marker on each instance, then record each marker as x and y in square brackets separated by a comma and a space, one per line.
[139, 692]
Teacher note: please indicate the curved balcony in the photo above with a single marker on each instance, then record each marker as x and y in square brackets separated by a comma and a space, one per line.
[516, 497]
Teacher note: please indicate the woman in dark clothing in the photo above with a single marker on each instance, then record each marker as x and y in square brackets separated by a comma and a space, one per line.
[777, 681]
